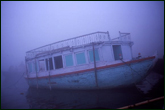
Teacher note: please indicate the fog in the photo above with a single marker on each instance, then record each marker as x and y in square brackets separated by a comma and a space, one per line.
[26, 25]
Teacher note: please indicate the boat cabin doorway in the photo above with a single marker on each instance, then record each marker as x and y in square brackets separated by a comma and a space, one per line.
[117, 51]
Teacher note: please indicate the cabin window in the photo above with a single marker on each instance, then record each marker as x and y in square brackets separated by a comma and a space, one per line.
[58, 62]
[49, 64]
[36, 64]
[96, 55]
[41, 65]
[69, 60]
[29, 67]
[117, 51]
[80, 57]
[32, 67]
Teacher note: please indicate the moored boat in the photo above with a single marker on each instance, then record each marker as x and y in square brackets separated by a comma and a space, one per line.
[91, 61]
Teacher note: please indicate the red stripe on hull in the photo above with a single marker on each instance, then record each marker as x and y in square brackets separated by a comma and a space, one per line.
[102, 67]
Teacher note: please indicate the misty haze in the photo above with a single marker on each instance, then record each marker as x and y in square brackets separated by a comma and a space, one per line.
[27, 25]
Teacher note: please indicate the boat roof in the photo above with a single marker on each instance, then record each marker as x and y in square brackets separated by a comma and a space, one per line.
[86, 39]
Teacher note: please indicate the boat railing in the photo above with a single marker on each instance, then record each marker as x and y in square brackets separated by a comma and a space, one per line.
[123, 37]
[76, 41]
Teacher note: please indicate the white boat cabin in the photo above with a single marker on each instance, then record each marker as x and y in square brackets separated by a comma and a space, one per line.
[77, 54]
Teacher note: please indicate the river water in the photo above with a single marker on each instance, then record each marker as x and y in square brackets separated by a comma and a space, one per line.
[16, 94]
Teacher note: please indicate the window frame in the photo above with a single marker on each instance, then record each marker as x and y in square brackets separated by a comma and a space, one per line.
[89, 55]
[54, 65]
[44, 64]
[28, 63]
[114, 53]
[72, 59]
[47, 59]
[33, 68]
[84, 55]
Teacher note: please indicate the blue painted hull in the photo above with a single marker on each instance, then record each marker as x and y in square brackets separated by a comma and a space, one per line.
[111, 77]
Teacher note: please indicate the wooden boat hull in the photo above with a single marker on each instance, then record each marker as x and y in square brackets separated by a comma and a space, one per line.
[110, 76]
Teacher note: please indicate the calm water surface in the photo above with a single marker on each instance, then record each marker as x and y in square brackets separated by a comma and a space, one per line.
[20, 96]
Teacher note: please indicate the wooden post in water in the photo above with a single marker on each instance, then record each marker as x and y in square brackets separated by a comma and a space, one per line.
[36, 72]
[26, 71]
[49, 72]
[95, 64]
[108, 36]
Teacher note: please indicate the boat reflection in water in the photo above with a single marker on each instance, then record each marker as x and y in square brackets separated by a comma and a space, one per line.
[82, 99]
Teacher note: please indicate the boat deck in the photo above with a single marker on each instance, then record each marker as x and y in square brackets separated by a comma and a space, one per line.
[77, 41]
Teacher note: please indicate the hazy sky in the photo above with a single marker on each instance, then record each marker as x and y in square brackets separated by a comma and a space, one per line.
[26, 25]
